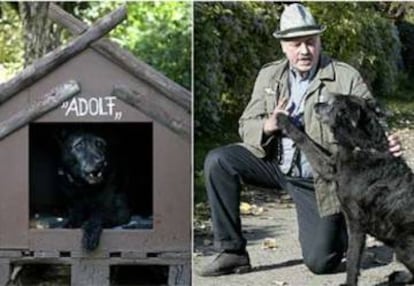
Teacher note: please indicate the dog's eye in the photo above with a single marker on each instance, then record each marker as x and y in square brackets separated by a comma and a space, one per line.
[79, 145]
[100, 144]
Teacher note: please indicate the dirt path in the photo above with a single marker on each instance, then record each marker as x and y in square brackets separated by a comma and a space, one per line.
[283, 265]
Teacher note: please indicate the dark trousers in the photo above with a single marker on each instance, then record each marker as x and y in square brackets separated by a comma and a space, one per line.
[323, 239]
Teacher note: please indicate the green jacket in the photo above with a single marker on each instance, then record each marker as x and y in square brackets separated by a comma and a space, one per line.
[271, 85]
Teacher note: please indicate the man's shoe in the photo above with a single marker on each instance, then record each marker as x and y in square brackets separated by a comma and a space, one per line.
[227, 263]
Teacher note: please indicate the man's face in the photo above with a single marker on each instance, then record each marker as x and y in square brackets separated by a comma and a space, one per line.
[302, 53]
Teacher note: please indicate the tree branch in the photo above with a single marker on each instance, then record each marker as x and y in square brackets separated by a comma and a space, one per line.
[176, 123]
[55, 58]
[49, 101]
[127, 60]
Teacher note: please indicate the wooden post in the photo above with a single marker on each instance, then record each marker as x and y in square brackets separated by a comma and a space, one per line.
[128, 61]
[90, 273]
[51, 100]
[179, 275]
[150, 106]
[55, 58]
[4, 271]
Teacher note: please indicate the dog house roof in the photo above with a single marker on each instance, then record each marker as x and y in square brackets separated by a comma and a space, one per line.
[90, 37]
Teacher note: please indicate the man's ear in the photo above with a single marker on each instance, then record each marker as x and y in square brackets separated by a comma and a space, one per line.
[282, 46]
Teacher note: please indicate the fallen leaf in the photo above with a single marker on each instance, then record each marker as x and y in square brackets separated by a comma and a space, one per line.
[257, 211]
[245, 208]
[269, 243]
[280, 283]
[248, 209]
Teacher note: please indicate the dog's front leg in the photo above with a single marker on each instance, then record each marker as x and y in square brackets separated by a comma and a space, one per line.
[356, 244]
[319, 159]
[92, 230]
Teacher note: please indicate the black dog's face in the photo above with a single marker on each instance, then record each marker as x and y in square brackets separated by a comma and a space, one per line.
[353, 121]
[340, 110]
[85, 157]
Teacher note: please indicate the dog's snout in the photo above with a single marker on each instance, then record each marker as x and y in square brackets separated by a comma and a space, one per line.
[95, 165]
[100, 162]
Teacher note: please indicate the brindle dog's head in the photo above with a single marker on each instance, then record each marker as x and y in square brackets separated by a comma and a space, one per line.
[355, 122]
[84, 157]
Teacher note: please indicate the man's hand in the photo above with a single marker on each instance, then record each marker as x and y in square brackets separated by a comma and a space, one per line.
[394, 145]
[270, 126]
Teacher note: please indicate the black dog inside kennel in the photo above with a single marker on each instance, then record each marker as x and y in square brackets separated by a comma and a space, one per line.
[130, 149]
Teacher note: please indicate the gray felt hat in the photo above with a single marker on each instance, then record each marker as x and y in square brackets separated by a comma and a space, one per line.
[297, 21]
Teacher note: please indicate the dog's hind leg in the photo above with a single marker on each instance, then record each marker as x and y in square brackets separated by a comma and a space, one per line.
[405, 254]
[356, 244]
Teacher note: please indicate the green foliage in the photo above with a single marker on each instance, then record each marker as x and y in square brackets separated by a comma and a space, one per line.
[360, 35]
[204, 144]
[406, 29]
[11, 47]
[159, 33]
[231, 42]
[402, 14]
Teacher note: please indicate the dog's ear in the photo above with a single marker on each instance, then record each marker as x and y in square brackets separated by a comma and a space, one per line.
[323, 110]
[355, 119]
[321, 107]
[357, 113]
[377, 108]
[60, 136]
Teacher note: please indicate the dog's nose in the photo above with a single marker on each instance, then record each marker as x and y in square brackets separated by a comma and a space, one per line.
[99, 164]
[94, 166]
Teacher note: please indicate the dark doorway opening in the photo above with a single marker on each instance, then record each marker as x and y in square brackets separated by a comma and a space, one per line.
[130, 149]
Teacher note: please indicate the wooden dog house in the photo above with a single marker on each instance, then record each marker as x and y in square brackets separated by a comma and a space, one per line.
[101, 87]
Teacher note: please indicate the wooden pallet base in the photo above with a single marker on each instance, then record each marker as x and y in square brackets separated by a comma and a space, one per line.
[5, 271]
[96, 271]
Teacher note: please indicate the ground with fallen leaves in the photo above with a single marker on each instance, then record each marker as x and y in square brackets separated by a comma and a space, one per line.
[269, 224]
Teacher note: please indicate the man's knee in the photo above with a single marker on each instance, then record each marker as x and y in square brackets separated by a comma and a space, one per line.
[213, 159]
[323, 264]
[220, 157]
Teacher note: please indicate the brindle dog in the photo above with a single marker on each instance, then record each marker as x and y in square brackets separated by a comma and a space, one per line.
[375, 189]
[89, 181]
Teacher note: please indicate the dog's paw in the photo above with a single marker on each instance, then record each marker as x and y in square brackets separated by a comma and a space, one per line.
[91, 236]
[283, 120]
[400, 278]
[90, 243]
